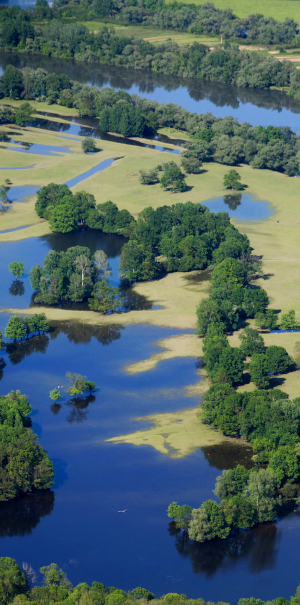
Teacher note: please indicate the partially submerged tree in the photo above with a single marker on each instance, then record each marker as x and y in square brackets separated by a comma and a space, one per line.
[79, 384]
[17, 269]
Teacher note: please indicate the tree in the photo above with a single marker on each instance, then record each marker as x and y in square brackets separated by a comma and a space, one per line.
[55, 395]
[288, 321]
[12, 82]
[149, 178]
[173, 510]
[102, 264]
[266, 320]
[261, 490]
[173, 178]
[17, 269]
[63, 219]
[231, 360]
[208, 522]
[41, 322]
[53, 576]
[259, 370]
[137, 263]
[105, 298]
[181, 515]
[78, 384]
[285, 461]
[12, 580]
[3, 194]
[251, 342]
[15, 328]
[232, 180]
[88, 145]
[142, 593]
[277, 359]
[232, 482]
[208, 312]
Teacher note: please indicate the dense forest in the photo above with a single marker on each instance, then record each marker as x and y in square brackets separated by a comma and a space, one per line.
[16, 586]
[24, 463]
[197, 19]
[221, 140]
[223, 64]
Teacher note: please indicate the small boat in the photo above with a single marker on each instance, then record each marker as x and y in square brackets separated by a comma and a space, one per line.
[122, 511]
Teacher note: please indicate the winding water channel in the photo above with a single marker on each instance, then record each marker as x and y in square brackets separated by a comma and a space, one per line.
[76, 524]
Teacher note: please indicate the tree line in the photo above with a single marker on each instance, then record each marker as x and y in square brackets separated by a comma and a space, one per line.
[222, 140]
[264, 417]
[19, 24]
[25, 465]
[223, 64]
[17, 586]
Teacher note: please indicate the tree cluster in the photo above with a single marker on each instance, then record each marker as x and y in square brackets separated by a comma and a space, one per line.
[172, 178]
[213, 139]
[246, 499]
[23, 328]
[73, 40]
[75, 275]
[181, 237]
[24, 463]
[16, 583]
[68, 212]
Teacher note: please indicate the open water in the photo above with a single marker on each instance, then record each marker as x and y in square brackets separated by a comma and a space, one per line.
[76, 524]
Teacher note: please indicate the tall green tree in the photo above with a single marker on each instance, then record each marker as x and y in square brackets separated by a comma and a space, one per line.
[232, 180]
[259, 370]
[15, 328]
[17, 269]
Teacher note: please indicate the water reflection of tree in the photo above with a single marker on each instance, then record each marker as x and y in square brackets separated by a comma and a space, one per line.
[20, 517]
[83, 333]
[19, 350]
[55, 408]
[233, 201]
[259, 547]
[228, 455]
[17, 288]
[79, 412]
[2, 366]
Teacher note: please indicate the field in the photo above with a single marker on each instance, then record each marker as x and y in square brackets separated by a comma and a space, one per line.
[152, 34]
[278, 9]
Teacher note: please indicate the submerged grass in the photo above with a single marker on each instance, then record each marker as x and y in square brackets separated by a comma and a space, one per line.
[177, 434]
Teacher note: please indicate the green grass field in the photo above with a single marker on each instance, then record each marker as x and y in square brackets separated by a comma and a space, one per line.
[278, 9]
[153, 34]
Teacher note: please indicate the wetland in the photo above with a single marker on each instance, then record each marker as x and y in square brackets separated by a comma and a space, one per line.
[146, 364]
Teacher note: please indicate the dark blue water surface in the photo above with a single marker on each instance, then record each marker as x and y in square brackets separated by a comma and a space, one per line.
[259, 107]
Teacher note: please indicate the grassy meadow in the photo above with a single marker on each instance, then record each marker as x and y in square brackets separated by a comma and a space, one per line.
[278, 9]
[152, 34]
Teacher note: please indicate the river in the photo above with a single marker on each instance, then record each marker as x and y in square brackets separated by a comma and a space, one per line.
[76, 524]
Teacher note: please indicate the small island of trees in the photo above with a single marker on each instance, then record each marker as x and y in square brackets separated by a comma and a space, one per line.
[24, 463]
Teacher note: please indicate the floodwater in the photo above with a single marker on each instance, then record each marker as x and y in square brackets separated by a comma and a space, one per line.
[241, 206]
[259, 107]
[76, 524]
